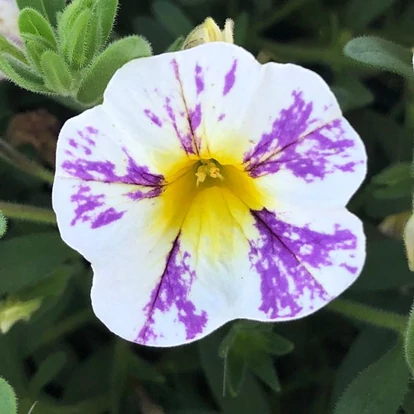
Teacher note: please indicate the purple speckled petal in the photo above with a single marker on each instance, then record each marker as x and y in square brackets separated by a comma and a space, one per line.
[172, 294]
[302, 266]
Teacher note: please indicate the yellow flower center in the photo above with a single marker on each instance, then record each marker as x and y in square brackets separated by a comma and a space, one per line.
[208, 168]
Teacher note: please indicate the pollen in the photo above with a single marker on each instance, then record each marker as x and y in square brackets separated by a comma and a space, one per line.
[208, 168]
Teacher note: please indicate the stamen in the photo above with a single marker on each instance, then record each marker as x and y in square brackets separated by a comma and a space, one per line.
[207, 169]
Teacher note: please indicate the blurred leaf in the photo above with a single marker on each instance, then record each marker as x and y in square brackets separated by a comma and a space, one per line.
[369, 346]
[48, 8]
[172, 18]
[381, 54]
[262, 366]
[46, 371]
[8, 402]
[234, 371]
[103, 68]
[379, 389]
[385, 267]
[241, 28]
[56, 73]
[150, 28]
[3, 225]
[31, 22]
[359, 14]
[176, 45]
[351, 93]
[27, 260]
[393, 174]
[120, 370]
[409, 342]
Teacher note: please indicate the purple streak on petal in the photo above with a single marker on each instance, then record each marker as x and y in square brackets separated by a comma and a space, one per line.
[107, 217]
[221, 117]
[280, 260]
[104, 171]
[195, 117]
[86, 135]
[140, 194]
[87, 205]
[172, 292]
[174, 65]
[316, 155]
[199, 79]
[350, 269]
[185, 140]
[230, 78]
[154, 118]
[286, 130]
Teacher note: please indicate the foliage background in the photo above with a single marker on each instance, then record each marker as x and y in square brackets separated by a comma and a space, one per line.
[65, 359]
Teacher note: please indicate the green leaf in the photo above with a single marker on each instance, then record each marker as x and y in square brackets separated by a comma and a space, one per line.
[48, 8]
[34, 51]
[379, 389]
[47, 370]
[276, 344]
[74, 43]
[234, 371]
[33, 23]
[262, 366]
[241, 28]
[21, 74]
[251, 399]
[409, 342]
[11, 49]
[56, 73]
[27, 260]
[8, 401]
[351, 93]
[3, 225]
[172, 18]
[381, 54]
[103, 68]
[105, 13]
[358, 14]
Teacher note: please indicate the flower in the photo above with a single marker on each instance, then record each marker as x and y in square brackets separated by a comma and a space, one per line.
[209, 31]
[409, 241]
[206, 188]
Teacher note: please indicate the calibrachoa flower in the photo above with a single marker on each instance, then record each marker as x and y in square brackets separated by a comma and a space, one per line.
[206, 188]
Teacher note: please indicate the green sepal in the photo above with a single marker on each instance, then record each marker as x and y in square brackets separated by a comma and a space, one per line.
[31, 22]
[8, 401]
[103, 68]
[176, 45]
[381, 54]
[56, 73]
[261, 365]
[21, 74]
[11, 49]
[74, 43]
[48, 8]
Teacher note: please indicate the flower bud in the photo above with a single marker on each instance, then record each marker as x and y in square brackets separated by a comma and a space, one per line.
[209, 31]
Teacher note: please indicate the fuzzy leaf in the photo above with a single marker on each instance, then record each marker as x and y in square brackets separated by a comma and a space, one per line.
[358, 14]
[409, 342]
[56, 73]
[21, 74]
[33, 23]
[48, 8]
[379, 389]
[103, 68]
[105, 12]
[381, 54]
[8, 402]
[11, 49]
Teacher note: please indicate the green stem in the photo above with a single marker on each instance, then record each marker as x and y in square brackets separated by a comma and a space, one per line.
[27, 213]
[280, 13]
[18, 160]
[370, 315]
